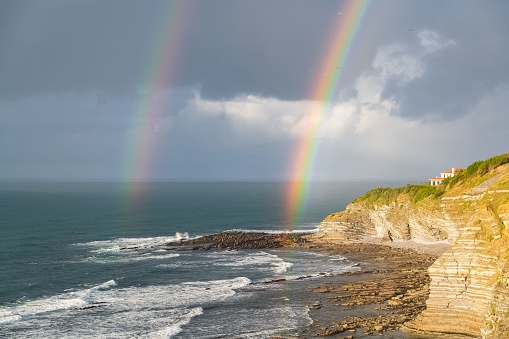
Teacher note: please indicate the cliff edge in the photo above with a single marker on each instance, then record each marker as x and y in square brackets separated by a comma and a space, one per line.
[466, 220]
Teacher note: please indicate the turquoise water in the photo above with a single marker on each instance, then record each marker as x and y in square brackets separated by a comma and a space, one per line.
[75, 261]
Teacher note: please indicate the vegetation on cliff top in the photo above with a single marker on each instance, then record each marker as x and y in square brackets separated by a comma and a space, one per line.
[386, 195]
[477, 170]
[464, 180]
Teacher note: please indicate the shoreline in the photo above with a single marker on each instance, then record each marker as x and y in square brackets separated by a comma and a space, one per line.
[390, 289]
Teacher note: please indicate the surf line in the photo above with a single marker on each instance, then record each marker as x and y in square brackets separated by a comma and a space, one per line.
[148, 115]
[323, 88]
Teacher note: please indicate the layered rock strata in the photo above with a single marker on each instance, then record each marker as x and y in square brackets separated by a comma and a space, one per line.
[469, 288]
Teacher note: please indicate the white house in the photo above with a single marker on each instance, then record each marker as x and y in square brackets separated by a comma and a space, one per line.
[445, 174]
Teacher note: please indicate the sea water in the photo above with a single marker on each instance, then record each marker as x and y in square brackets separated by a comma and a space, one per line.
[86, 259]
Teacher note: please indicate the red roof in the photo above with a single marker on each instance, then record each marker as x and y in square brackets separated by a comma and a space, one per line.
[456, 170]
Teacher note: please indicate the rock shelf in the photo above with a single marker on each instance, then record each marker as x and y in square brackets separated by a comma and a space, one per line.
[238, 240]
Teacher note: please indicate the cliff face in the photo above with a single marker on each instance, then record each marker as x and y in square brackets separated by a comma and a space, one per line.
[469, 289]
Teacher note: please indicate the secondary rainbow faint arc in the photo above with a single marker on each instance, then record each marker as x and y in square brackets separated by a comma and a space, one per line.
[141, 144]
[324, 87]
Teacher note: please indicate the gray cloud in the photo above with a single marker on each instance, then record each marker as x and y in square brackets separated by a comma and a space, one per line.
[228, 47]
[73, 88]
[61, 137]
[59, 46]
[458, 76]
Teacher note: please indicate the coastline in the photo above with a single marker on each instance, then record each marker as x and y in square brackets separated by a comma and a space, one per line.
[390, 289]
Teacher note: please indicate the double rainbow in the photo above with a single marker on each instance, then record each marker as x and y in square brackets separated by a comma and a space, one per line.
[141, 145]
[337, 51]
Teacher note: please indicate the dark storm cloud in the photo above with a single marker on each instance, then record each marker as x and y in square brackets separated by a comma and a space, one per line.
[228, 47]
[72, 46]
[268, 48]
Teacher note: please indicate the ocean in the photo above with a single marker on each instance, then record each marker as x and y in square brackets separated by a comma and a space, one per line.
[82, 259]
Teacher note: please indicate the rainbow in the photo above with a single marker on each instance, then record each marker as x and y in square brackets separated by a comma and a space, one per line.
[142, 142]
[338, 48]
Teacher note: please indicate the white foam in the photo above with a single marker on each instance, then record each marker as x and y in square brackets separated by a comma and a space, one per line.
[176, 328]
[181, 236]
[130, 258]
[108, 284]
[231, 283]
[184, 295]
[123, 244]
[71, 300]
[279, 265]
[158, 311]
[283, 267]
[260, 260]
[142, 323]
[122, 250]
[6, 316]
[337, 258]
[311, 265]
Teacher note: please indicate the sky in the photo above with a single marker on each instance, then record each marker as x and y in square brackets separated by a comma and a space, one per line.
[223, 90]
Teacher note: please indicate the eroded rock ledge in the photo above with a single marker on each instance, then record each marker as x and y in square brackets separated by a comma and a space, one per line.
[391, 289]
[469, 282]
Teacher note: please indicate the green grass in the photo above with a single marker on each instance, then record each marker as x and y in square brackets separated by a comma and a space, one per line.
[477, 169]
[470, 176]
[386, 196]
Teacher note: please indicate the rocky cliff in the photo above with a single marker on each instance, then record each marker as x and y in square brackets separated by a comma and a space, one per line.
[466, 218]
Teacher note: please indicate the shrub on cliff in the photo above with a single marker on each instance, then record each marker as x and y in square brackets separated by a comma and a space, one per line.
[386, 195]
[483, 167]
[478, 168]
[426, 191]
[493, 163]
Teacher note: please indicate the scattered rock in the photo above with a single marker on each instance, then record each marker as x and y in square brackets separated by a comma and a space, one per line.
[394, 283]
